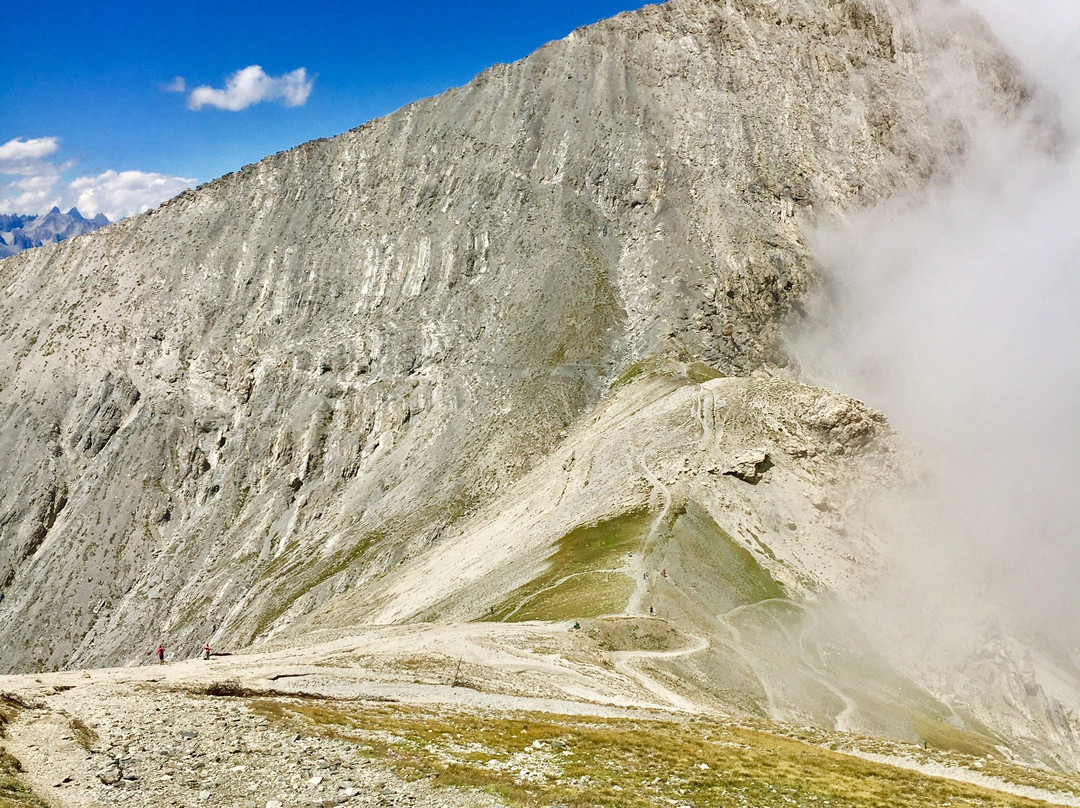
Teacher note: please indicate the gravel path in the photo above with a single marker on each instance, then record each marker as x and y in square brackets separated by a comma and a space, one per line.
[156, 741]
[963, 775]
[168, 748]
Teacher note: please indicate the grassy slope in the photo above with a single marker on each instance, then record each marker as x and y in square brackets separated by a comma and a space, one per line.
[584, 576]
[542, 760]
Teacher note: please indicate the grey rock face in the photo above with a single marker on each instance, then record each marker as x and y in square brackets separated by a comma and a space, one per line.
[222, 413]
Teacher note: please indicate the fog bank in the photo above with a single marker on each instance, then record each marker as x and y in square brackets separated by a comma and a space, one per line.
[958, 315]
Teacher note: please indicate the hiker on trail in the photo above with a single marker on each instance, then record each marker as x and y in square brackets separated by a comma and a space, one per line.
[206, 651]
[161, 654]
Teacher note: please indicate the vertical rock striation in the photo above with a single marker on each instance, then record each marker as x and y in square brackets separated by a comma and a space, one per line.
[217, 415]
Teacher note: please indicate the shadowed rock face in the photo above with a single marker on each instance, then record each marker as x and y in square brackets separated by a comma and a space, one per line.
[217, 416]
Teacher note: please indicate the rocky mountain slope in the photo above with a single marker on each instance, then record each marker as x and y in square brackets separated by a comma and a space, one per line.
[490, 357]
[22, 232]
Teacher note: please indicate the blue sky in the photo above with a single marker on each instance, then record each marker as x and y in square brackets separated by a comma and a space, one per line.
[88, 119]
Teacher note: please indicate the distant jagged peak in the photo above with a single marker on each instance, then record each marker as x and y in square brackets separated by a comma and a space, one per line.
[26, 231]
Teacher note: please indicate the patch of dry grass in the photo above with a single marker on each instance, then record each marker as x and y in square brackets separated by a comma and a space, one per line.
[14, 793]
[581, 579]
[669, 369]
[231, 688]
[543, 760]
[84, 736]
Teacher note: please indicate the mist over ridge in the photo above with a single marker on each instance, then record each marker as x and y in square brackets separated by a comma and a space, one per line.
[957, 312]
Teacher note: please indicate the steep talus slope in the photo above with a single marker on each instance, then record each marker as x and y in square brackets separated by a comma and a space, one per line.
[224, 413]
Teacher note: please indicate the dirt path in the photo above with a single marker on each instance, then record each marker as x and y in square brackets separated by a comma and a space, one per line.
[735, 643]
[962, 775]
[626, 663]
[844, 721]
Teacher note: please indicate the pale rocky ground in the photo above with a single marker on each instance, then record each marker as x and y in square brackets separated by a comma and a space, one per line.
[175, 746]
[159, 741]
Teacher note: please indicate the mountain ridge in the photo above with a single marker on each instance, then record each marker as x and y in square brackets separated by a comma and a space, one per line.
[385, 376]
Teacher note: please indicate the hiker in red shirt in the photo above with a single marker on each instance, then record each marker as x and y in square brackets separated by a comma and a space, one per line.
[206, 651]
[161, 654]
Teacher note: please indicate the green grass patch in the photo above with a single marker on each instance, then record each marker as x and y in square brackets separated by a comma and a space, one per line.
[13, 792]
[587, 594]
[699, 372]
[940, 735]
[543, 760]
[705, 558]
[580, 581]
[695, 372]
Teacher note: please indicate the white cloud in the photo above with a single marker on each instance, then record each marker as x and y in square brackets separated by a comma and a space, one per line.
[959, 315]
[33, 149]
[124, 193]
[20, 156]
[30, 194]
[177, 85]
[40, 184]
[251, 86]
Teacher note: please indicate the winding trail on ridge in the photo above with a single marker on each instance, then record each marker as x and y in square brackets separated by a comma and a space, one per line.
[624, 662]
[842, 721]
[556, 585]
[736, 644]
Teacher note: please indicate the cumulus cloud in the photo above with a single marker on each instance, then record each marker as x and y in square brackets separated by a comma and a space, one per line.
[252, 86]
[38, 184]
[958, 315]
[21, 156]
[124, 193]
[30, 194]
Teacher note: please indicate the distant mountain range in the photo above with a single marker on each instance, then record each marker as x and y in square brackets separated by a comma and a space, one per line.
[20, 232]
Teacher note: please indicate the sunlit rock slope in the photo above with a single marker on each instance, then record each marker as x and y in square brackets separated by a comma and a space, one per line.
[384, 376]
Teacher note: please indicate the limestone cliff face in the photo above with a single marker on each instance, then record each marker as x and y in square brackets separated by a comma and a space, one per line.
[225, 412]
